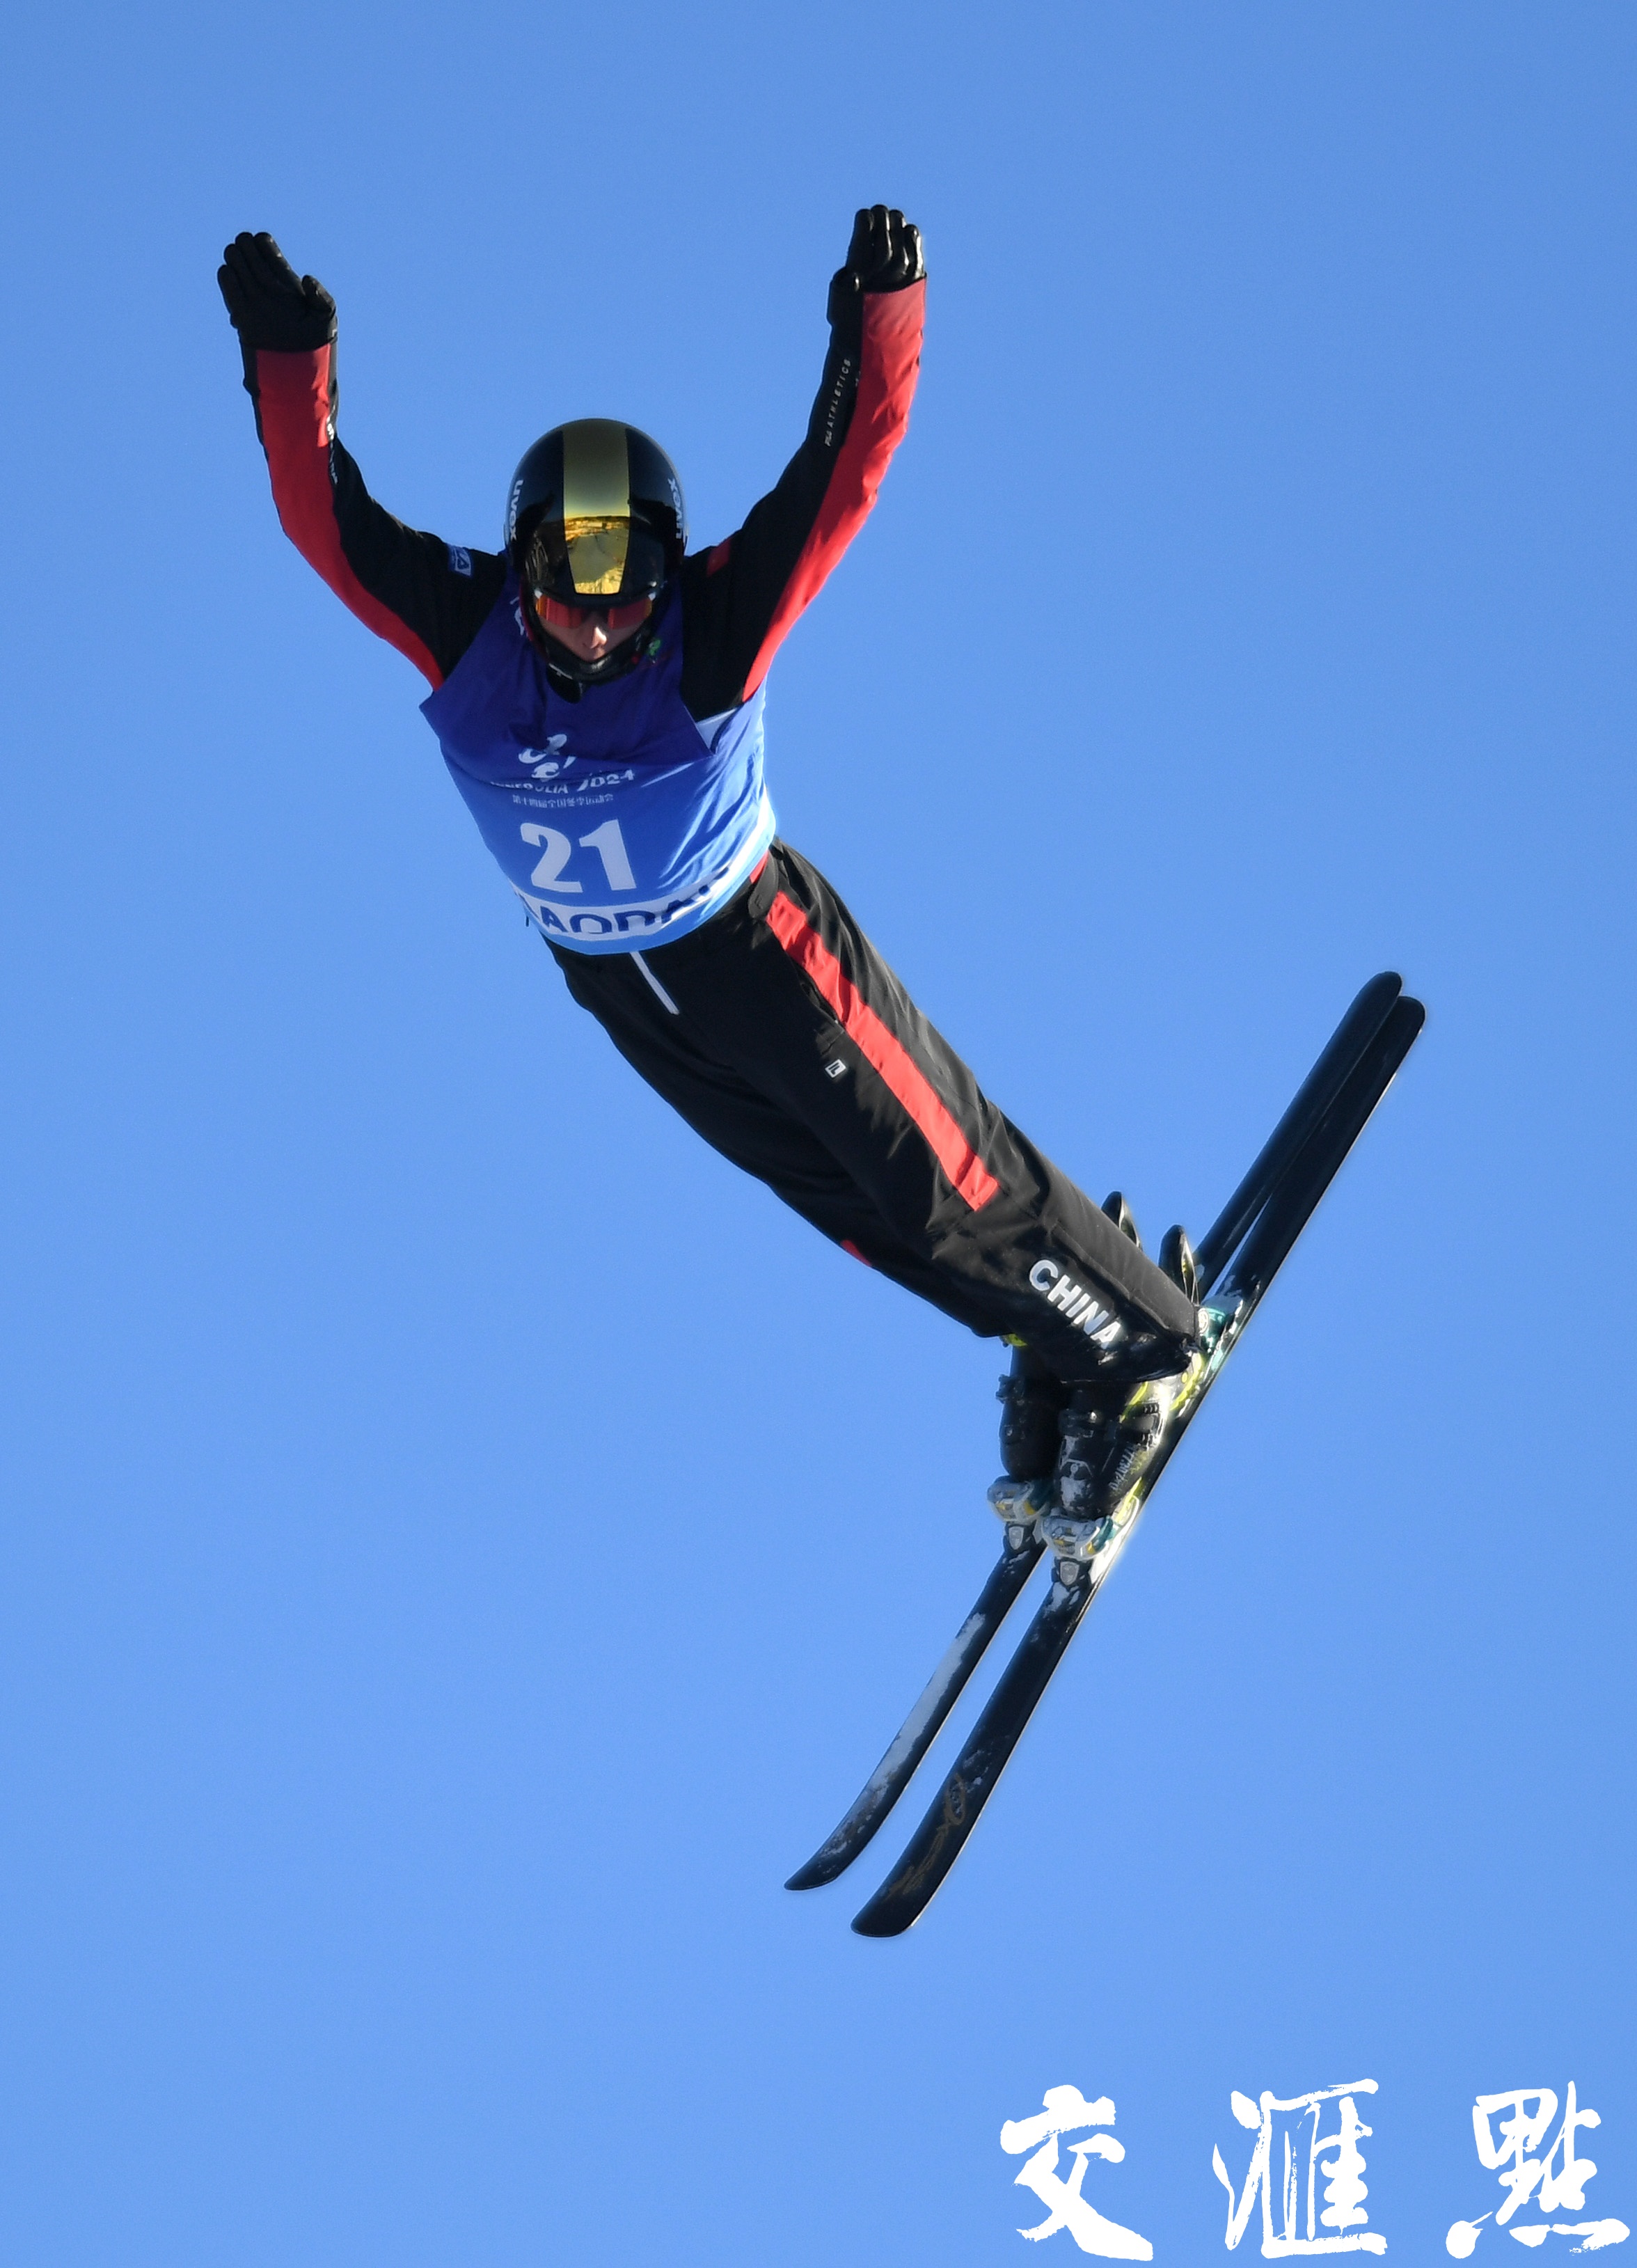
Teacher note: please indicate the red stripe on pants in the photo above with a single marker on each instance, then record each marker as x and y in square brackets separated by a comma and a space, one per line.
[898, 1071]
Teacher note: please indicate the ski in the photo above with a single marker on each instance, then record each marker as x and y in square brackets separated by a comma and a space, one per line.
[1017, 1561]
[1245, 1248]
[1022, 1550]
[1318, 1090]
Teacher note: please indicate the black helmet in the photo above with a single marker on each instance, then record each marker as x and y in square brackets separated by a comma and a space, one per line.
[594, 519]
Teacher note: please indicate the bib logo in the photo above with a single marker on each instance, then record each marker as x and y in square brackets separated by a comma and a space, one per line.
[547, 763]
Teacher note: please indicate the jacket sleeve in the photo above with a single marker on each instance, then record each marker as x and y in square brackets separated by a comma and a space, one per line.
[427, 598]
[741, 598]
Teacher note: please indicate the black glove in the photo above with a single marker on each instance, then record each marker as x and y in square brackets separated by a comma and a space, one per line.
[885, 255]
[271, 305]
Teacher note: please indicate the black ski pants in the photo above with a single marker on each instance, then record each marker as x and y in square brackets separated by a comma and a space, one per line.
[782, 1037]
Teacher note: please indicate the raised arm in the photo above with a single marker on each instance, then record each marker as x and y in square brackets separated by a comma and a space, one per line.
[742, 597]
[426, 597]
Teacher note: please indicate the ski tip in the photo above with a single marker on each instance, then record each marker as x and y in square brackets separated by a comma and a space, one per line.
[814, 1875]
[1401, 1030]
[832, 1857]
[882, 1917]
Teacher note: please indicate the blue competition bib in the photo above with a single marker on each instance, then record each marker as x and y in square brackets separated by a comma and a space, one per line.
[618, 819]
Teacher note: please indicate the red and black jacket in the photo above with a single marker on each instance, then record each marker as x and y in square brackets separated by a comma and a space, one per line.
[739, 598]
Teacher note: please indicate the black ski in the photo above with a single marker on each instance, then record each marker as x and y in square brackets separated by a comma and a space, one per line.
[918, 1730]
[1310, 1165]
[1319, 1091]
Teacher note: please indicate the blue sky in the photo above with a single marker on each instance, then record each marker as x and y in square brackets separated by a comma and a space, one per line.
[462, 1545]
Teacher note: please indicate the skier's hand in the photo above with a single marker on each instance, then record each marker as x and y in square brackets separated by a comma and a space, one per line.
[271, 305]
[885, 255]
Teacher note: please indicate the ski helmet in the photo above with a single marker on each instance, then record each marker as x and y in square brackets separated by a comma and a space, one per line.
[595, 522]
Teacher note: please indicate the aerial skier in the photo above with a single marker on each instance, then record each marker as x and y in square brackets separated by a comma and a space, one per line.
[597, 693]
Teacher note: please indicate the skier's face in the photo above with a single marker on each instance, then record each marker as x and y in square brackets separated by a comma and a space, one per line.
[592, 633]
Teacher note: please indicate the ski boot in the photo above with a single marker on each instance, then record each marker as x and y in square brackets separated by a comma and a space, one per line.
[1032, 1397]
[1032, 1401]
[1177, 1261]
[1120, 1213]
[1109, 1431]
